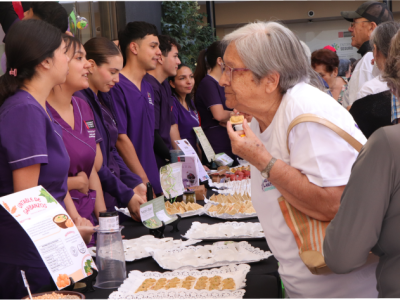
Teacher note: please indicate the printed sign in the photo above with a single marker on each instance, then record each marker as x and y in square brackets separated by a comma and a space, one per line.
[190, 170]
[188, 150]
[52, 231]
[208, 150]
[171, 180]
[153, 212]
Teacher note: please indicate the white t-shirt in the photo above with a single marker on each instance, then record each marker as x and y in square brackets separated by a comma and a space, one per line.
[326, 159]
[363, 72]
[374, 86]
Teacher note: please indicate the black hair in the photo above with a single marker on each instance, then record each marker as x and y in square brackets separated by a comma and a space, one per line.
[72, 42]
[99, 49]
[207, 59]
[189, 97]
[27, 44]
[51, 12]
[166, 43]
[134, 31]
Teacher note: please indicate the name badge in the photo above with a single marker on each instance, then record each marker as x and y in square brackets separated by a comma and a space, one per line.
[89, 124]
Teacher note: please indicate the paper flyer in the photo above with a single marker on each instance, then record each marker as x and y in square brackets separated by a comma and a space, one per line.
[153, 212]
[171, 180]
[190, 171]
[54, 234]
[188, 150]
[207, 148]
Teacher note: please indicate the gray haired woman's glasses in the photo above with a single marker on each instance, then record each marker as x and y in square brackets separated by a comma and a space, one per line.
[229, 70]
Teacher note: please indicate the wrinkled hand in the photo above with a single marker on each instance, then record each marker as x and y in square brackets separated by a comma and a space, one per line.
[83, 183]
[248, 147]
[86, 232]
[246, 116]
[134, 207]
[141, 190]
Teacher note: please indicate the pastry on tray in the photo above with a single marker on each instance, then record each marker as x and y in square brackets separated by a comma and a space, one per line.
[233, 208]
[181, 207]
[235, 198]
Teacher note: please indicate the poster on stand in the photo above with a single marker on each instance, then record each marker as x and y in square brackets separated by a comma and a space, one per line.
[207, 148]
[171, 180]
[190, 171]
[153, 212]
[187, 149]
[53, 232]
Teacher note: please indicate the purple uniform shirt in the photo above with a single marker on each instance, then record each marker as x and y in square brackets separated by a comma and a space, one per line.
[210, 93]
[81, 146]
[135, 118]
[116, 179]
[186, 120]
[27, 137]
[163, 116]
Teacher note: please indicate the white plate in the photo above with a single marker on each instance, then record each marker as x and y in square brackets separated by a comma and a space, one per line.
[209, 256]
[191, 213]
[227, 230]
[144, 246]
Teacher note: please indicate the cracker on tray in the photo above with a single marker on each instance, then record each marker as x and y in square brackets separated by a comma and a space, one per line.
[181, 207]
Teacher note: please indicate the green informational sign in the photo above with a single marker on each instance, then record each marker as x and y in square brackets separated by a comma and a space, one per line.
[153, 213]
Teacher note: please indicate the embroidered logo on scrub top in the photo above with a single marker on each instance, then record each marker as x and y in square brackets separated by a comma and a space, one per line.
[150, 100]
[89, 124]
[267, 186]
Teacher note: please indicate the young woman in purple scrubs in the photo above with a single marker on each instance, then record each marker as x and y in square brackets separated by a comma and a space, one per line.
[32, 151]
[184, 110]
[210, 99]
[80, 136]
[121, 187]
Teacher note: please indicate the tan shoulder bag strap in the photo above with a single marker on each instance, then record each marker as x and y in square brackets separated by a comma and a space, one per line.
[316, 119]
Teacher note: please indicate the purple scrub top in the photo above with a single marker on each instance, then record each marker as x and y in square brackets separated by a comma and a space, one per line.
[27, 137]
[81, 146]
[186, 120]
[135, 118]
[210, 93]
[163, 116]
[117, 180]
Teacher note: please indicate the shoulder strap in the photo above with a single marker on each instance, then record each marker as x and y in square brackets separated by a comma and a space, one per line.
[316, 119]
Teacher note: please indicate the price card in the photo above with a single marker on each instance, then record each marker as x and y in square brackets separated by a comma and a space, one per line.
[52, 231]
[208, 150]
[187, 149]
[153, 212]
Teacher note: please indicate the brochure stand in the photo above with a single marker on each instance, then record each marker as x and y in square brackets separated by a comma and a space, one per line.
[158, 232]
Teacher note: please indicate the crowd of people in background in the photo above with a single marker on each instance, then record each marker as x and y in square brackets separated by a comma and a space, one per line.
[93, 123]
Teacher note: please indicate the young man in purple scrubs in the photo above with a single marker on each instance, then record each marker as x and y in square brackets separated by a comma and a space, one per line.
[164, 118]
[134, 101]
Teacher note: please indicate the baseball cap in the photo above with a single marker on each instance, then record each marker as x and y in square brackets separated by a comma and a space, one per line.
[373, 11]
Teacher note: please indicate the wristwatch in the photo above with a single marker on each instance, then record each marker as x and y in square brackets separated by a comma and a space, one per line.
[265, 172]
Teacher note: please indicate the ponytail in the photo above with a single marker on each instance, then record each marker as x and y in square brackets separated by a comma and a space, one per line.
[28, 43]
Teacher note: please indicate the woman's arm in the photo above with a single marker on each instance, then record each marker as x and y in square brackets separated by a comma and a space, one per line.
[98, 161]
[26, 178]
[219, 113]
[175, 136]
[79, 182]
[128, 153]
[94, 184]
[321, 203]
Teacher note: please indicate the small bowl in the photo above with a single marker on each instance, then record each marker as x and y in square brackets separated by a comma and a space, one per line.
[71, 293]
[62, 223]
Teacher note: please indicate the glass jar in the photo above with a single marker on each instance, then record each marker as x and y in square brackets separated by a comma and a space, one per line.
[189, 197]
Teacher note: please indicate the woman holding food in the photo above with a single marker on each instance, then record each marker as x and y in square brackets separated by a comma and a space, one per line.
[32, 151]
[210, 99]
[121, 187]
[184, 110]
[267, 75]
[80, 136]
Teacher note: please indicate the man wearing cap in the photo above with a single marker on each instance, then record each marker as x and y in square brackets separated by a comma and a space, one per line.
[363, 21]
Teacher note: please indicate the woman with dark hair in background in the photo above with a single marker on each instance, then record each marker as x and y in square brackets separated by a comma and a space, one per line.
[121, 187]
[326, 63]
[184, 110]
[80, 136]
[210, 99]
[32, 151]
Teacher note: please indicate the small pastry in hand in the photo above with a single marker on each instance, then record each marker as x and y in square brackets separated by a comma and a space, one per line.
[237, 123]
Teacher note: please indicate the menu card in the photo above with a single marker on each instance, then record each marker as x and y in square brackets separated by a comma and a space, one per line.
[52, 231]
[187, 149]
[190, 172]
[153, 212]
[171, 180]
[207, 148]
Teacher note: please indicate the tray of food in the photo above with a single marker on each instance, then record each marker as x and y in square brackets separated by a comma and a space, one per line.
[232, 187]
[57, 295]
[144, 246]
[221, 198]
[209, 256]
[231, 211]
[184, 209]
[224, 231]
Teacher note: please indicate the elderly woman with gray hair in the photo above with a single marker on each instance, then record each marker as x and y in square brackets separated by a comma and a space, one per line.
[372, 110]
[267, 75]
[369, 214]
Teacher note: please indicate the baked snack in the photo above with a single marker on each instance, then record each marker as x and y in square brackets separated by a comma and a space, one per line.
[181, 207]
[235, 120]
